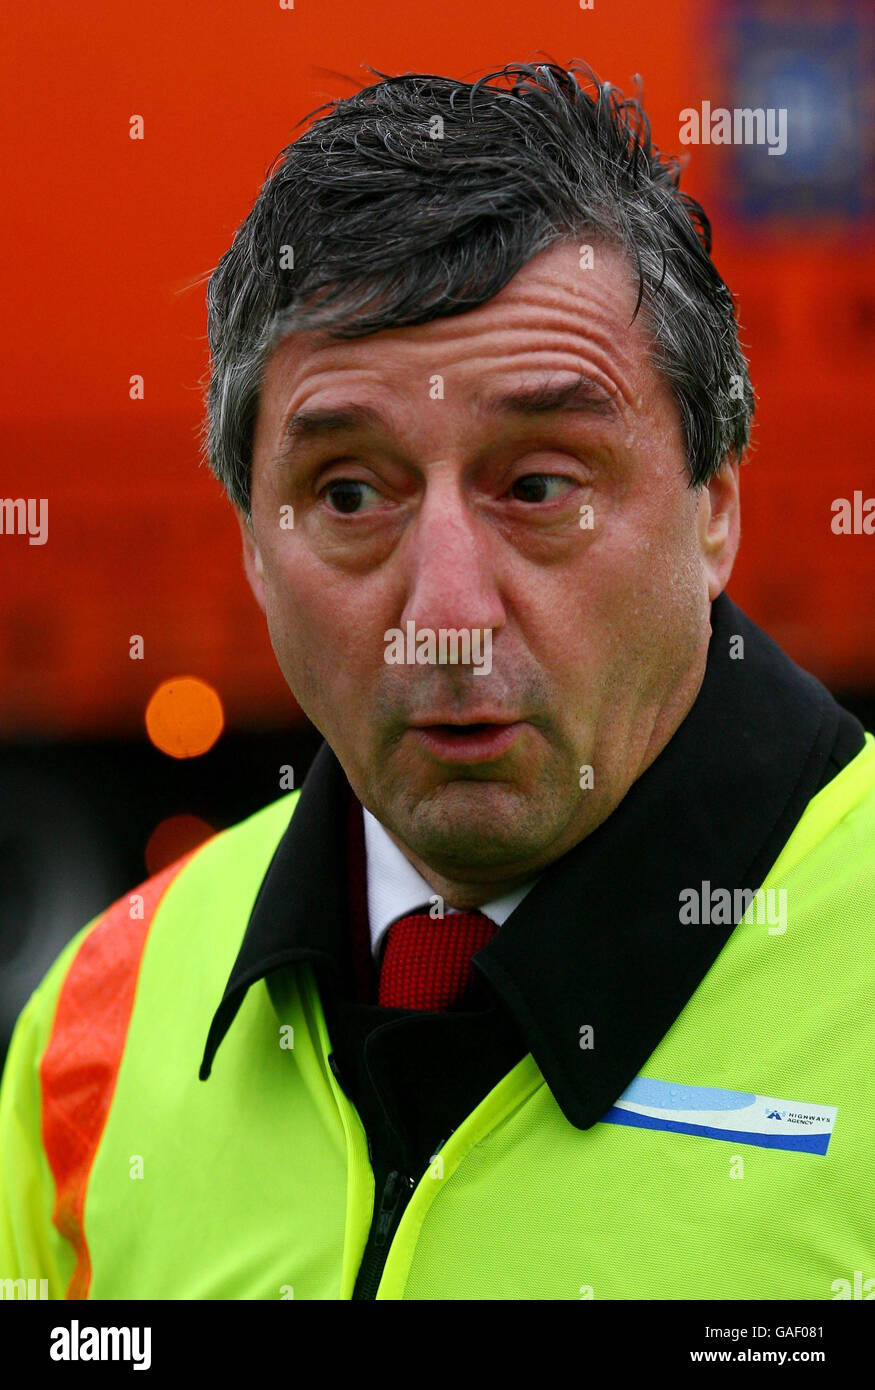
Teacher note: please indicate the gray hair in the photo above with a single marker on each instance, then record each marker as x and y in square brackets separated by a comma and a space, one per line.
[380, 215]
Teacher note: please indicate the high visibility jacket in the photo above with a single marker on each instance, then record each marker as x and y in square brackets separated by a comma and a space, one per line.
[738, 1166]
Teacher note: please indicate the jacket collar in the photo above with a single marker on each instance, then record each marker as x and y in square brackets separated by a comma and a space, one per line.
[597, 940]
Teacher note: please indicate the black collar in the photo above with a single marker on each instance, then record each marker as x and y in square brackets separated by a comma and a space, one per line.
[597, 940]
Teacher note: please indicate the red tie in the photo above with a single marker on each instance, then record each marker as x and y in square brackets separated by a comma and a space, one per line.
[427, 960]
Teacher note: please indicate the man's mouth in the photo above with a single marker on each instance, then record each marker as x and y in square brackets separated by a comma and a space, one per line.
[475, 742]
[464, 728]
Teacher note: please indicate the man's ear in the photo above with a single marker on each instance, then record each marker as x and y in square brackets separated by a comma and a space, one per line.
[251, 559]
[720, 526]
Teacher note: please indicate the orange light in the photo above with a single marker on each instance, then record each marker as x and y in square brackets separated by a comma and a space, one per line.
[174, 837]
[184, 717]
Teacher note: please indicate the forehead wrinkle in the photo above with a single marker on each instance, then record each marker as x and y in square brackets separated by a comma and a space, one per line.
[605, 354]
[540, 396]
[591, 341]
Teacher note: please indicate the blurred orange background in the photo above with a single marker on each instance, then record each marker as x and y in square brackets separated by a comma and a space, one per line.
[108, 241]
[111, 767]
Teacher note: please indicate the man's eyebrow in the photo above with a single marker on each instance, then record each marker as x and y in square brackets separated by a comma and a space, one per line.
[583, 394]
[306, 425]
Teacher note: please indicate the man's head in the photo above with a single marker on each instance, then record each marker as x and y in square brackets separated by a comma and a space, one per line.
[497, 388]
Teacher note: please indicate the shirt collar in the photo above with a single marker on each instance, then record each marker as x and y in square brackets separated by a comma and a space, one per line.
[597, 939]
[395, 887]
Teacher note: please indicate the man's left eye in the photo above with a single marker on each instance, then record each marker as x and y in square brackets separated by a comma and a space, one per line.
[534, 487]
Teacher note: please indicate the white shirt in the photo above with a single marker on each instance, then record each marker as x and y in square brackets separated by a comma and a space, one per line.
[396, 888]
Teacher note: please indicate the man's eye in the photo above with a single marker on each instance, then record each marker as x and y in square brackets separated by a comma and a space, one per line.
[533, 487]
[346, 493]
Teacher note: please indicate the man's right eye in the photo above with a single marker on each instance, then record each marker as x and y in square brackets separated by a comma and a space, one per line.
[346, 493]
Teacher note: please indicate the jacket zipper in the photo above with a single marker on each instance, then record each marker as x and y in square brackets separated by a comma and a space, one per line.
[394, 1197]
[390, 1199]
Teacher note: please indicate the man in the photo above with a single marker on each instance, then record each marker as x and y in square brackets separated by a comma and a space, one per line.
[550, 981]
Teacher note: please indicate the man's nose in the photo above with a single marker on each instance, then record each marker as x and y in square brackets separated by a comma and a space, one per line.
[451, 556]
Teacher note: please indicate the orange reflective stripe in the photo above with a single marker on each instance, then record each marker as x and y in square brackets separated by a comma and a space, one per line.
[80, 1064]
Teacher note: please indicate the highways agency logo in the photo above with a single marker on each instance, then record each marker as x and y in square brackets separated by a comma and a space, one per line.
[793, 1117]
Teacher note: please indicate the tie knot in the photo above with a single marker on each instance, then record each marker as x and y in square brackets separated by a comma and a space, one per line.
[427, 960]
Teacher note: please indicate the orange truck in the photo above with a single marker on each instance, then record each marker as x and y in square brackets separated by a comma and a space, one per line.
[124, 185]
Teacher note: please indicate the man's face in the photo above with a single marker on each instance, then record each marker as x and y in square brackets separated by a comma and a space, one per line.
[453, 508]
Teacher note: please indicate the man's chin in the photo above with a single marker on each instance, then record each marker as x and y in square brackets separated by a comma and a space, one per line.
[462, 824]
